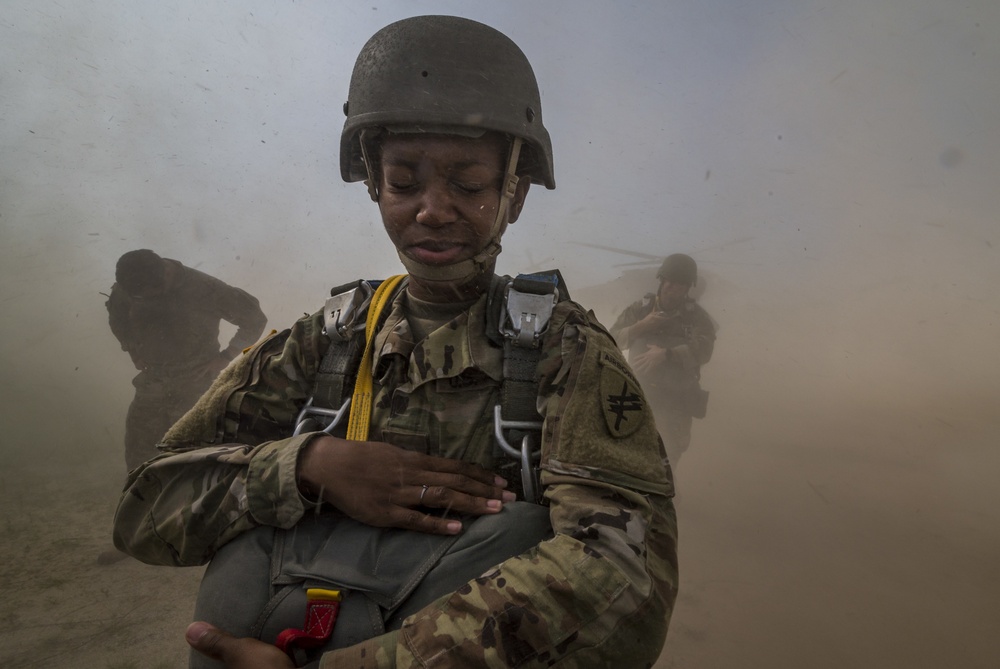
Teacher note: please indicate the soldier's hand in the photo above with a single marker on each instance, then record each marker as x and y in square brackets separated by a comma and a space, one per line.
[385, 486]
[650, 359]
[649, 324]
[236, 653]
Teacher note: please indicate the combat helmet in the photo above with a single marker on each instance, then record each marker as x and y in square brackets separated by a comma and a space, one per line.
[139, 272]
[678, 268]
[445, 74]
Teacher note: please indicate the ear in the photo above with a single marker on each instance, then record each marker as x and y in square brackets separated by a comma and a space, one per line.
[517, 202]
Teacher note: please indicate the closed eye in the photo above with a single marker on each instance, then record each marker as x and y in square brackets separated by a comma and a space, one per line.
[470, 188]
[400, 186]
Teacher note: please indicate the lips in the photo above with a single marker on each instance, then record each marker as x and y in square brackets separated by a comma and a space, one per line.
[435, 252]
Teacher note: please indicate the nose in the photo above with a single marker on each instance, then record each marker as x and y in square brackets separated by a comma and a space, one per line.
[436, 206]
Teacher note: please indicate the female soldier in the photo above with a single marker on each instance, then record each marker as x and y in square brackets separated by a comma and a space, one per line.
[444, 124]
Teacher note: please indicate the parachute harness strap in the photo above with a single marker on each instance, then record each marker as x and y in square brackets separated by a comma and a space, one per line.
[361, 402]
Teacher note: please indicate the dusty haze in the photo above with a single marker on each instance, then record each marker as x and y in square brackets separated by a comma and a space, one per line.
[833, 167]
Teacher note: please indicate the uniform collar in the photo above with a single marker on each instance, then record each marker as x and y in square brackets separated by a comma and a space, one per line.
[453, 348]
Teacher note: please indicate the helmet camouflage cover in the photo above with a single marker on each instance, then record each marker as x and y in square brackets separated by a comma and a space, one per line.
[445, 74]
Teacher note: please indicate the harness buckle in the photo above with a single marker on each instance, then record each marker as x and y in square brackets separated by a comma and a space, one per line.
[529, 457]
[526, 315]
[341, 310]
[307, 420]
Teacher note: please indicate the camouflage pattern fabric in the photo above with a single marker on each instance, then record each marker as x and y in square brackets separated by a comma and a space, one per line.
[600, 593]
[688, 333]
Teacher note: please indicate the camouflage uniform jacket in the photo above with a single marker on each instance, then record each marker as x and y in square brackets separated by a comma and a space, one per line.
[686, 331]
[600, 593]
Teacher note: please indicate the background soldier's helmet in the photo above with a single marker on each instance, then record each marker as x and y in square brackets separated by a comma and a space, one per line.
[140, 271]
[445, 74]
[678, 268]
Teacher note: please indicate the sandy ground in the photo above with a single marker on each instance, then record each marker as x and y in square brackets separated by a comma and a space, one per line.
[59, 608]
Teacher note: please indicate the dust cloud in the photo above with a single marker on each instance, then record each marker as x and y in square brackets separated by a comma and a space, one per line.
[832, 167]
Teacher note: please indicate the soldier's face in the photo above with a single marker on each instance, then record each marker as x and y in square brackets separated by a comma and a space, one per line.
[440, 194]
[671, 293]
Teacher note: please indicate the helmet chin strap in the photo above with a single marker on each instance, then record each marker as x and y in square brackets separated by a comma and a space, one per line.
[466, 270]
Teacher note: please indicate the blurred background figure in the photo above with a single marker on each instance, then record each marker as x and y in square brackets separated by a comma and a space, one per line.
[167, 318]
[669, 337]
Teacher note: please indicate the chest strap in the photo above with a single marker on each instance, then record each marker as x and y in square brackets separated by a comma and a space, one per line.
[527, 304]
[361, 400]
[346, 315]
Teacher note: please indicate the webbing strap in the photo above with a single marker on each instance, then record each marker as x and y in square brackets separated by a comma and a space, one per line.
[519, 387]
[334, 376]
[361, 400]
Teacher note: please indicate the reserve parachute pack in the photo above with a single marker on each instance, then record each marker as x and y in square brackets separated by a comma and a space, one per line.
[330, 581]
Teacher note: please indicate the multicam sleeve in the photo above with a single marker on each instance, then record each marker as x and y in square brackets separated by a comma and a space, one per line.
[600, 593]
[179, 509]
[215, 479]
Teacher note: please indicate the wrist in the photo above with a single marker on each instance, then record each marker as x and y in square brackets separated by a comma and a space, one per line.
[309, 465]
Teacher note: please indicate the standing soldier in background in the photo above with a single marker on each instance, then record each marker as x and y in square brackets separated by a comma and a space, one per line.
[167, 318]
[669, 337]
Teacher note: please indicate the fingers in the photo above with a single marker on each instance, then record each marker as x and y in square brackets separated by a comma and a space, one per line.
[451, 499]
[460, 470]
[441, 475]
[235, 653]
[208, 640]
[413, 516]
[411, 519]
[493, 489]
[404, 485]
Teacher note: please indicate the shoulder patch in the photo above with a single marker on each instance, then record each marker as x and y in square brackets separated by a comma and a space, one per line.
[622, 402]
